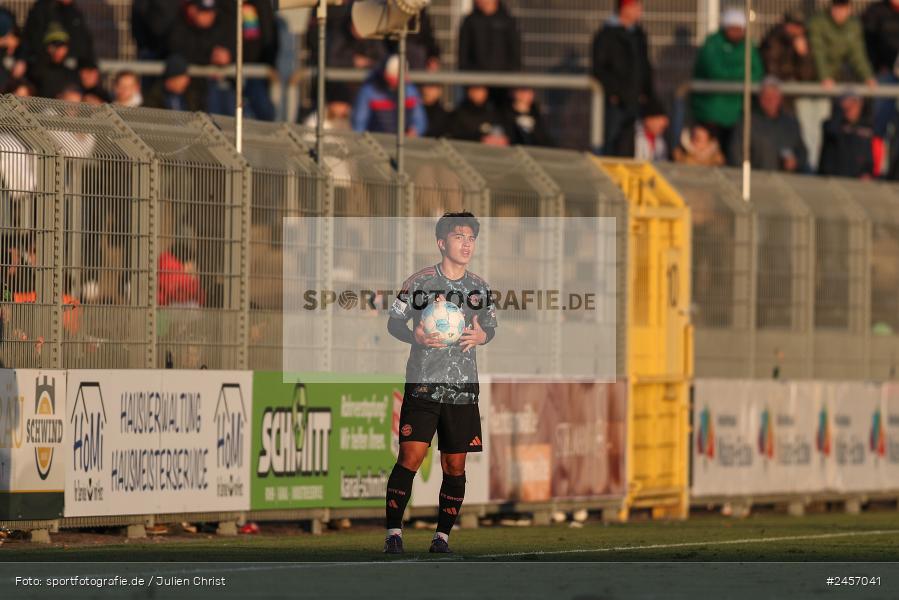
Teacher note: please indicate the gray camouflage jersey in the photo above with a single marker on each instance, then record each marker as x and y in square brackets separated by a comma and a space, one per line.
[445, 375]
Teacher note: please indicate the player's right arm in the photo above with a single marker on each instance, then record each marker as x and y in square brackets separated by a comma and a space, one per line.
[401, 311]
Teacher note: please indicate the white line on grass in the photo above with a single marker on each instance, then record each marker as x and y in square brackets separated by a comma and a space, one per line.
[788, 538]
[219, 567]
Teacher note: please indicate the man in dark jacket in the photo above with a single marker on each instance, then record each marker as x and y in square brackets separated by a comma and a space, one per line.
[489, 39]
[849, 143]
[203, 35]
[56, 68]
[776, 143]
[65, 15]
[260, 46]
[422, 49]
[621, 64]
[477, 120]
[881, 24]
[176, 91]
[151, 24]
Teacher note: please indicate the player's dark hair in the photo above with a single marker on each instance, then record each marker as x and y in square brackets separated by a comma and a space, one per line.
[449, 221]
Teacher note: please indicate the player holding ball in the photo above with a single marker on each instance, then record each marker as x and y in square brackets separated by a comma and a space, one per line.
[451, 315]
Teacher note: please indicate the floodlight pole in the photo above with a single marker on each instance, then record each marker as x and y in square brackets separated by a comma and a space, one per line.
[238, 84]
[747, 103]
[401, 106]
[321, 110]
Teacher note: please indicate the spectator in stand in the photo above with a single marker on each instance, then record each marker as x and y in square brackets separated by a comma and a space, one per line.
[721, 59]
[339, 109]
[476, 120]
[786, 52]
[178, 281]
[489, 41]
[376, 103]
[89, 75]
[881, 24]
[645, 138]
[21, 88]
[850, 148]
[528, 125]
[621, 64]
[70, 93]
[776, 142]
[438, 116]
[176, 90]
[422, 49]
[699, 147]
[126, 88]
[202, 36]
[152, 22]
[260, 46]
[56, 68]
[788, 56]
[9, 45]
[345, 47]
[838, 44]
[55, 14]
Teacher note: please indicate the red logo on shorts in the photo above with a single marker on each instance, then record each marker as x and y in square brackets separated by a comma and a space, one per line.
[476, 441]
[406, 430]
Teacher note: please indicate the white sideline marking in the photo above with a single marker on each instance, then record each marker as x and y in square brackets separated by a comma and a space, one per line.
[218, 567]
[788, 538]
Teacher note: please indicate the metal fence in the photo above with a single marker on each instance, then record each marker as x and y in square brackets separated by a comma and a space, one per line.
[140, 237]
[799, 283]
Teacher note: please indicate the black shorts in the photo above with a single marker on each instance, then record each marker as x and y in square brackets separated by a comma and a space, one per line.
[458, 426]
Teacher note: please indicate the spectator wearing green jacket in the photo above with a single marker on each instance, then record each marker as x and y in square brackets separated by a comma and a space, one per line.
[721, 58]
[838, 43]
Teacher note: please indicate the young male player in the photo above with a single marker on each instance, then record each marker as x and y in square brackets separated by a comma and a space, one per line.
[441, 392]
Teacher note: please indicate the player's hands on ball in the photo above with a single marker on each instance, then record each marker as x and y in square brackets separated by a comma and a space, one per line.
[473, 335]
[423, 339]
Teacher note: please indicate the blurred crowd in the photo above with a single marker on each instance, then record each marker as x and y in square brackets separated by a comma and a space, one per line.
[52, 55]
[844, 135]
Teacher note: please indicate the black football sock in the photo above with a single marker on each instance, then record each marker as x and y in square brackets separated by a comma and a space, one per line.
[452, 493]
[399, 488]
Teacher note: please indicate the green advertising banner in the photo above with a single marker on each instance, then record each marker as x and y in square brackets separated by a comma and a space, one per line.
[322, 444]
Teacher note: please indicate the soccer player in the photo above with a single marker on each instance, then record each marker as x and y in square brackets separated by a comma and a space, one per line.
[441, 391]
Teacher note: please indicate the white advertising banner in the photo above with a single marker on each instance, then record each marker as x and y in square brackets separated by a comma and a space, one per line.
[885, 437]
[428, 479]
[766, 437]
[157, 441]
[32, 469]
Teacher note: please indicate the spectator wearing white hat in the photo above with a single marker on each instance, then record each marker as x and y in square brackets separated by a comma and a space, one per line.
[721, 59]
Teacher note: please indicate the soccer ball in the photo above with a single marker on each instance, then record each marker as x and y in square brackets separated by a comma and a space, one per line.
[444, 318]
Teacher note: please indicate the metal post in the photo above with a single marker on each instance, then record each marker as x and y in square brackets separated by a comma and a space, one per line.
[320, 110]
[238, 112]
[747, 102]
[401, 107]
[597, 114]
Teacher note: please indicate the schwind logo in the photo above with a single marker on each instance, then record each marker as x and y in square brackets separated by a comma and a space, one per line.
[44, 430]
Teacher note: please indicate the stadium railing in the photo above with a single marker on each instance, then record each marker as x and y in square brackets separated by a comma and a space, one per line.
[287, 92]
